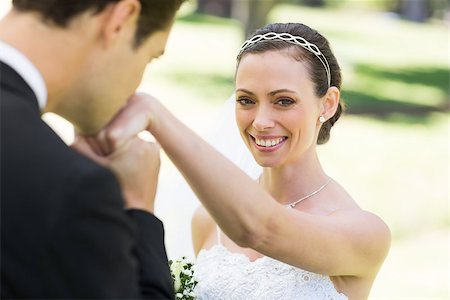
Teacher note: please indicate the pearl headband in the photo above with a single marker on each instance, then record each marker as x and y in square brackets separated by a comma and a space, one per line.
[296, 40]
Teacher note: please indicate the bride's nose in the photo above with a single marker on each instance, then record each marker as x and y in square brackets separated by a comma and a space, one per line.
[263, 119]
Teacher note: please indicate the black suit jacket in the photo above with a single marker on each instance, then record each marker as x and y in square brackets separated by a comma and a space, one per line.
[64, 230]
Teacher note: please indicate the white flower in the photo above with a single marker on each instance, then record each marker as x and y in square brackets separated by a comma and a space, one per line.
[175, 269]
[187, 272]
[183, 278]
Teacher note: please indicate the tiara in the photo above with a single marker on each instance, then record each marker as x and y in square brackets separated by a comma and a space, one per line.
[296, 40]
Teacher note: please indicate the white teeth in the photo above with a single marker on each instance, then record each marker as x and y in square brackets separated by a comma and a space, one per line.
[268, 143]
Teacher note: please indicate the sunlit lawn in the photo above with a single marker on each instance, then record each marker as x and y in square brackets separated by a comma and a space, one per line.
[390, 151]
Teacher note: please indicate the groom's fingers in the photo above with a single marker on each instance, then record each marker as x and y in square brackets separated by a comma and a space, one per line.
[131, 120]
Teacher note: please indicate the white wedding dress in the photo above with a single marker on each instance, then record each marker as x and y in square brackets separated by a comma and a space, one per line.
[225, 275]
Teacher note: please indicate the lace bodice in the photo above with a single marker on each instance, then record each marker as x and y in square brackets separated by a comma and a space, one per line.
[224, 275]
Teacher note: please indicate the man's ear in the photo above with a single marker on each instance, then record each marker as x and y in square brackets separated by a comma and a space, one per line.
[122, 15]
[330, 102]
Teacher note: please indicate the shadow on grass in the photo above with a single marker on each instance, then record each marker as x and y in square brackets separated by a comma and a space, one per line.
[359, 102]
[432, 76]
[203, 19]
[214, 88]
[362, 102]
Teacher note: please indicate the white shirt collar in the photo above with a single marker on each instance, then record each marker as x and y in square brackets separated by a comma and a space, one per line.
[25, 68]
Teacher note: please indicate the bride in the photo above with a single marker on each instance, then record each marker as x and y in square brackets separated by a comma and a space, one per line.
[294, 232]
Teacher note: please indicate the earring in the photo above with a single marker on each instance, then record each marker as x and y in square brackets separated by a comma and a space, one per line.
[322, 119]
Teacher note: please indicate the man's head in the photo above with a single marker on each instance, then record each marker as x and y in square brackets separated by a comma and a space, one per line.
[154, 15]
[111, 42]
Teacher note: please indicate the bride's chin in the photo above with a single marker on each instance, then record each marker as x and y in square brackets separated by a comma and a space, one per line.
[264, 163]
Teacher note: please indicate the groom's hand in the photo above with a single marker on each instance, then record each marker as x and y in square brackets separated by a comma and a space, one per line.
[135, 163]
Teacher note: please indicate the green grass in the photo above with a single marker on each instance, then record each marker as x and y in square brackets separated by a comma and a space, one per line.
[391, 149]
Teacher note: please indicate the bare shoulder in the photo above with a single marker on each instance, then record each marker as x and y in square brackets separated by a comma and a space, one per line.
[202, 225]
[370, 234]
[363, 222]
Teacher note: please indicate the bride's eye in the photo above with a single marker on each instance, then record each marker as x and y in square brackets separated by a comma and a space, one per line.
[245, 101]
[285, 102]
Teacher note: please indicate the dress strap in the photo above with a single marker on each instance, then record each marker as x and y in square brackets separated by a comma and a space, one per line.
[219, 239]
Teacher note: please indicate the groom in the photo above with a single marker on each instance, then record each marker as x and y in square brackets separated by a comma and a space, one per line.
[72, 227]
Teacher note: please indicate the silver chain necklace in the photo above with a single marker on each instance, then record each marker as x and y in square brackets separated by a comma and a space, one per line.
[293, 204]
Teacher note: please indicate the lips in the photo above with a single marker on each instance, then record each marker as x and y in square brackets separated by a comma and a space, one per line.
[268, 143]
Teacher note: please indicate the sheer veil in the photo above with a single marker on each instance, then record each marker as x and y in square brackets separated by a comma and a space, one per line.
[226, 139]
[175, 200]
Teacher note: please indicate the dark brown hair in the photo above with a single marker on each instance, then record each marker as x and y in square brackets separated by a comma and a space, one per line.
[316, 69]
[155, 14]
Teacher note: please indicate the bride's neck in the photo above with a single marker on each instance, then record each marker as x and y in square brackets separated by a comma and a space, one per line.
[293, 180]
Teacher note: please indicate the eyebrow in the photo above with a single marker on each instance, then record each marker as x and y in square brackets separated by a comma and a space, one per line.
[272, 93]
[245, 91]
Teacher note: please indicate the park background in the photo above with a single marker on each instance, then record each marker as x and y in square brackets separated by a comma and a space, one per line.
[391, 148]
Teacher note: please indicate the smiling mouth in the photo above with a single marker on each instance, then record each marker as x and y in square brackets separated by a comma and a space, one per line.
[268, 143]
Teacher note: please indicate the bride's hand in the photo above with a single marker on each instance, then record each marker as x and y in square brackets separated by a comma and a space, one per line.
[139, 114]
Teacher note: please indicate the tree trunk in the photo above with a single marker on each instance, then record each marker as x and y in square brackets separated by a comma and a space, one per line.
[221, 8]
[314, 3]
[252, 13]
[415, 10]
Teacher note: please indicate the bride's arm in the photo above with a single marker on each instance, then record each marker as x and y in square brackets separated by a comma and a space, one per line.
[345, 243]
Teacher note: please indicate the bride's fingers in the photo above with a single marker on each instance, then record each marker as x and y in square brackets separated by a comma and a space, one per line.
[96, 146]
[131, 120]
[103, 143]
[81, 145]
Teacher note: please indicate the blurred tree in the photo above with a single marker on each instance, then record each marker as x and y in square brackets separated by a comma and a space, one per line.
[221, 8]
[414, 10]
[418, 10]
[252, 13]
[314, 3]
